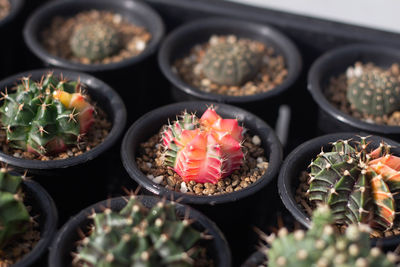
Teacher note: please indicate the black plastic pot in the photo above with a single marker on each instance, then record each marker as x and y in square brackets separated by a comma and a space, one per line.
[334, 63]
[235, 212]
[298, 161]
[65, 241]
[255, 260]
[179, 42]
[43, 206]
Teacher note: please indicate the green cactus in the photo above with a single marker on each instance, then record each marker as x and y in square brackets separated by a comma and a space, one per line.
[358, 185]
[374, 93]
[138, 236]
[46, 116]
[323, 246]
[95, 41]
[230, 63]
[14, 217]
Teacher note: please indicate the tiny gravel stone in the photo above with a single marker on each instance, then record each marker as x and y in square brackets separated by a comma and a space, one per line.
[184, 188]
[148, 164]
[158, 179]
[256, 140]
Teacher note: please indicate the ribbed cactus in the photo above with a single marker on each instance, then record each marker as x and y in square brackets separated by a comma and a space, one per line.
[14, 217]
[230, 63]
[95, 41]
[322, 246]
[374, 92]
[45, 117]
[358, 185]
[205, 149]
[138, 236]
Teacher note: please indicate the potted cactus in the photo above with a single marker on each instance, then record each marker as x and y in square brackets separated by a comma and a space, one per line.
[321, 245]
[28, 220]
[354, 175]
[143, 231]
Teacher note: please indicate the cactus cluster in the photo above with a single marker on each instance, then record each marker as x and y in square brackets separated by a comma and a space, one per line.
[138, 236]
[359, 185]
[14, 216]
[230, 63]
[45, 117]
[322, 246]
[203, 150]
[374, 92]
[95, 41]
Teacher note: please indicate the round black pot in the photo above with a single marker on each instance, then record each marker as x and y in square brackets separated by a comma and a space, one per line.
[255, 260]
[334, 63]
[298, 161]
[237, 210]
[43, 206]
[179, 42]
[76, 174]
[65, 241]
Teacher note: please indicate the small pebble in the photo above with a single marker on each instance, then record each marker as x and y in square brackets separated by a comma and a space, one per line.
[158, 179]
[256, 140]
[184, 188]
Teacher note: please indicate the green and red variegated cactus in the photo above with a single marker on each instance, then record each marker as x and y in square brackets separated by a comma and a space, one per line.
[45, 117]
[358, 185]
[203, 150]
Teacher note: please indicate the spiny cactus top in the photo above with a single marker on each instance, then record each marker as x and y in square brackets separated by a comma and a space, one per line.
[231, 63]
[205, 149]
[95, 41]
[357, 184]
[45, 117]
[14, 217]
[138, 236]
[374, 92]
[322, 246]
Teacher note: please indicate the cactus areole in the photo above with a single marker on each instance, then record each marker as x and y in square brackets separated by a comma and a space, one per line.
[203, 150]
[358, 184]
[45, 117]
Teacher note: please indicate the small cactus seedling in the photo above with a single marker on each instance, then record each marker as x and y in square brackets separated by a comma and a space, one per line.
[45, 117]
[203, 150]
[230, 63]
[95, 41]
[138, 236]
[375, 92]
[322, 246]
[14, 217]
[358, 185]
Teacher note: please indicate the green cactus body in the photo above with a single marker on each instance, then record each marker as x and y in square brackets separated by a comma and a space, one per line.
[322, 246]
[14, 217]
[95, 41]
[358, 186]
[230, 63]
[137, 236]
[375, 93]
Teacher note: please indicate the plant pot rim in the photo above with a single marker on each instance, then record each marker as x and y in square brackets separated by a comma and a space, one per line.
[284, 179]
[16, 7]
[73, 223]
[288, 50]
[314, 78]
[53, 7]
[118, 123]
[266, 134]
[50, 224]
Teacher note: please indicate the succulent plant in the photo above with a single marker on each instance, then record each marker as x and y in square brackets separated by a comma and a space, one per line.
[230, 63]
[45, 117]
[358, 185]
[14, 216]
[375, 92]
[205, 149]
[321, 245]
[95, 41]
[138, 236]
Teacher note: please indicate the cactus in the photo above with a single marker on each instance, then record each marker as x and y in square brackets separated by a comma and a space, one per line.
[357, 185]
[230, 63]
[45, 117]
[138, 236]
[375, 92]
[205, 149]
[95, 41]
[14, 217]
[322, 246]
